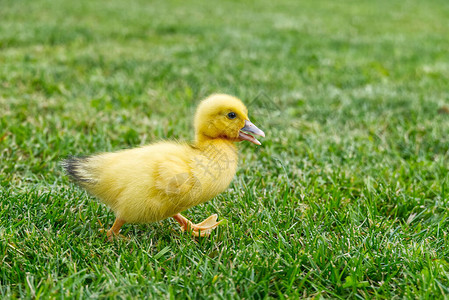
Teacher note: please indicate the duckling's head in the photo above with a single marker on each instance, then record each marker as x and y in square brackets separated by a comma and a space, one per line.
[222, 116]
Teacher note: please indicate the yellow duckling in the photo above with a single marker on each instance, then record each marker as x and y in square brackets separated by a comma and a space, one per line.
[158, 181]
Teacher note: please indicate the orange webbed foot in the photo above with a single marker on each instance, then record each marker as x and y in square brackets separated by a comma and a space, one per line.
[114, 232]
[201, 229]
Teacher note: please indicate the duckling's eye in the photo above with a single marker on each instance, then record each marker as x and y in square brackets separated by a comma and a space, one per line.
[232, 115]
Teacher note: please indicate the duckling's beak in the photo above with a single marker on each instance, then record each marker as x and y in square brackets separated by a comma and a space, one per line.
[250, 128]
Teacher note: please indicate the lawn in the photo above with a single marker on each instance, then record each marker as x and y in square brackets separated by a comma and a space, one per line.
[348, 196]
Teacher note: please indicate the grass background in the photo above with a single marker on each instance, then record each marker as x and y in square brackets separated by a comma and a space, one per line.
[347, 197]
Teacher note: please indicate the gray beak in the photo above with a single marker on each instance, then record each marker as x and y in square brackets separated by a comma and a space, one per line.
[250, 128]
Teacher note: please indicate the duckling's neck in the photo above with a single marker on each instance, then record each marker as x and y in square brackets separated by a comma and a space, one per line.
[215, 165]
[204, 142]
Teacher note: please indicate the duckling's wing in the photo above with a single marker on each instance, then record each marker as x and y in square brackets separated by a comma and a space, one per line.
[176, 186]
[173, 177]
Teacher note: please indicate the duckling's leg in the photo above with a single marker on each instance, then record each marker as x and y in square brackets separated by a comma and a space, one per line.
[201, 229]
[115, 229]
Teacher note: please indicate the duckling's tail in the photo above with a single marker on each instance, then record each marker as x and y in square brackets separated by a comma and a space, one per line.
[79, 170]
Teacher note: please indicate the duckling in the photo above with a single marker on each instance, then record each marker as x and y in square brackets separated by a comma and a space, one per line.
[158, 181]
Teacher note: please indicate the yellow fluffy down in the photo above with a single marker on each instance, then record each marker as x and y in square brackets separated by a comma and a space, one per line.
[155, 182]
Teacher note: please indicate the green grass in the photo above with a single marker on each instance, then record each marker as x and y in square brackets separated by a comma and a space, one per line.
[347, 197]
